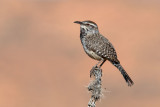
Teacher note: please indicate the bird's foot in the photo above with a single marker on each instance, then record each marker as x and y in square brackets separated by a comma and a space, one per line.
[92, 71]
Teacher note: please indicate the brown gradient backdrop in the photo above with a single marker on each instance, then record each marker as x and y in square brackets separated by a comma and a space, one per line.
[42, 63]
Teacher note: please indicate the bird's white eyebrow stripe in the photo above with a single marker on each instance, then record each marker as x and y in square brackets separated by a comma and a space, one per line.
[93, 24]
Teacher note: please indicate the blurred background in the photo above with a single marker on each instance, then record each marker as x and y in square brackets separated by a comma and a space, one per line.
[42, 62]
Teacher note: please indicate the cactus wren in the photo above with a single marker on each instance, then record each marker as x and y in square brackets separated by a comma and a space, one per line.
[99, 48]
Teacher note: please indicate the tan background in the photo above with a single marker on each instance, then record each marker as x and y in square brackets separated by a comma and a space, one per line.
[42, 63]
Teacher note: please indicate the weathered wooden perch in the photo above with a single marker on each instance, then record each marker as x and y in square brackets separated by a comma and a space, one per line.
[95, 86]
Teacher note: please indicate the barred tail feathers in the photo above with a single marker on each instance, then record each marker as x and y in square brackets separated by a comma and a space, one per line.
[124, 73]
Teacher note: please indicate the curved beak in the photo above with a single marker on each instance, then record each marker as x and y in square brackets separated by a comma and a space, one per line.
[78, 22]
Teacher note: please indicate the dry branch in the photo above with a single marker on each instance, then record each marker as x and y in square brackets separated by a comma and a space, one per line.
[95, 86]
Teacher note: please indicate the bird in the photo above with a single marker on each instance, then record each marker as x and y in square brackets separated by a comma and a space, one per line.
[99, 47]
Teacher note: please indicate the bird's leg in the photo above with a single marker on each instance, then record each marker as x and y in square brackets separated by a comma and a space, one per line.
[102, 63]
[98, 63]
[96, 66]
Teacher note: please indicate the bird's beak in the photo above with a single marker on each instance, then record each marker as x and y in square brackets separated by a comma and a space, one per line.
[78, 22]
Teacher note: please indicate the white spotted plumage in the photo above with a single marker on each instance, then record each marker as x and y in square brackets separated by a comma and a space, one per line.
[98, 47]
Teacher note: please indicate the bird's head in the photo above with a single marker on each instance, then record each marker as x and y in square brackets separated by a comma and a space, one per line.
[88, 26]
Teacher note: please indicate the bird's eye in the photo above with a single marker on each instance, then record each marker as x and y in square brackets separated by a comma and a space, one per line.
[91, 26]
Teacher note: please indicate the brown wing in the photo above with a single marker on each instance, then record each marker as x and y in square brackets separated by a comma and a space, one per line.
[103, 48]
